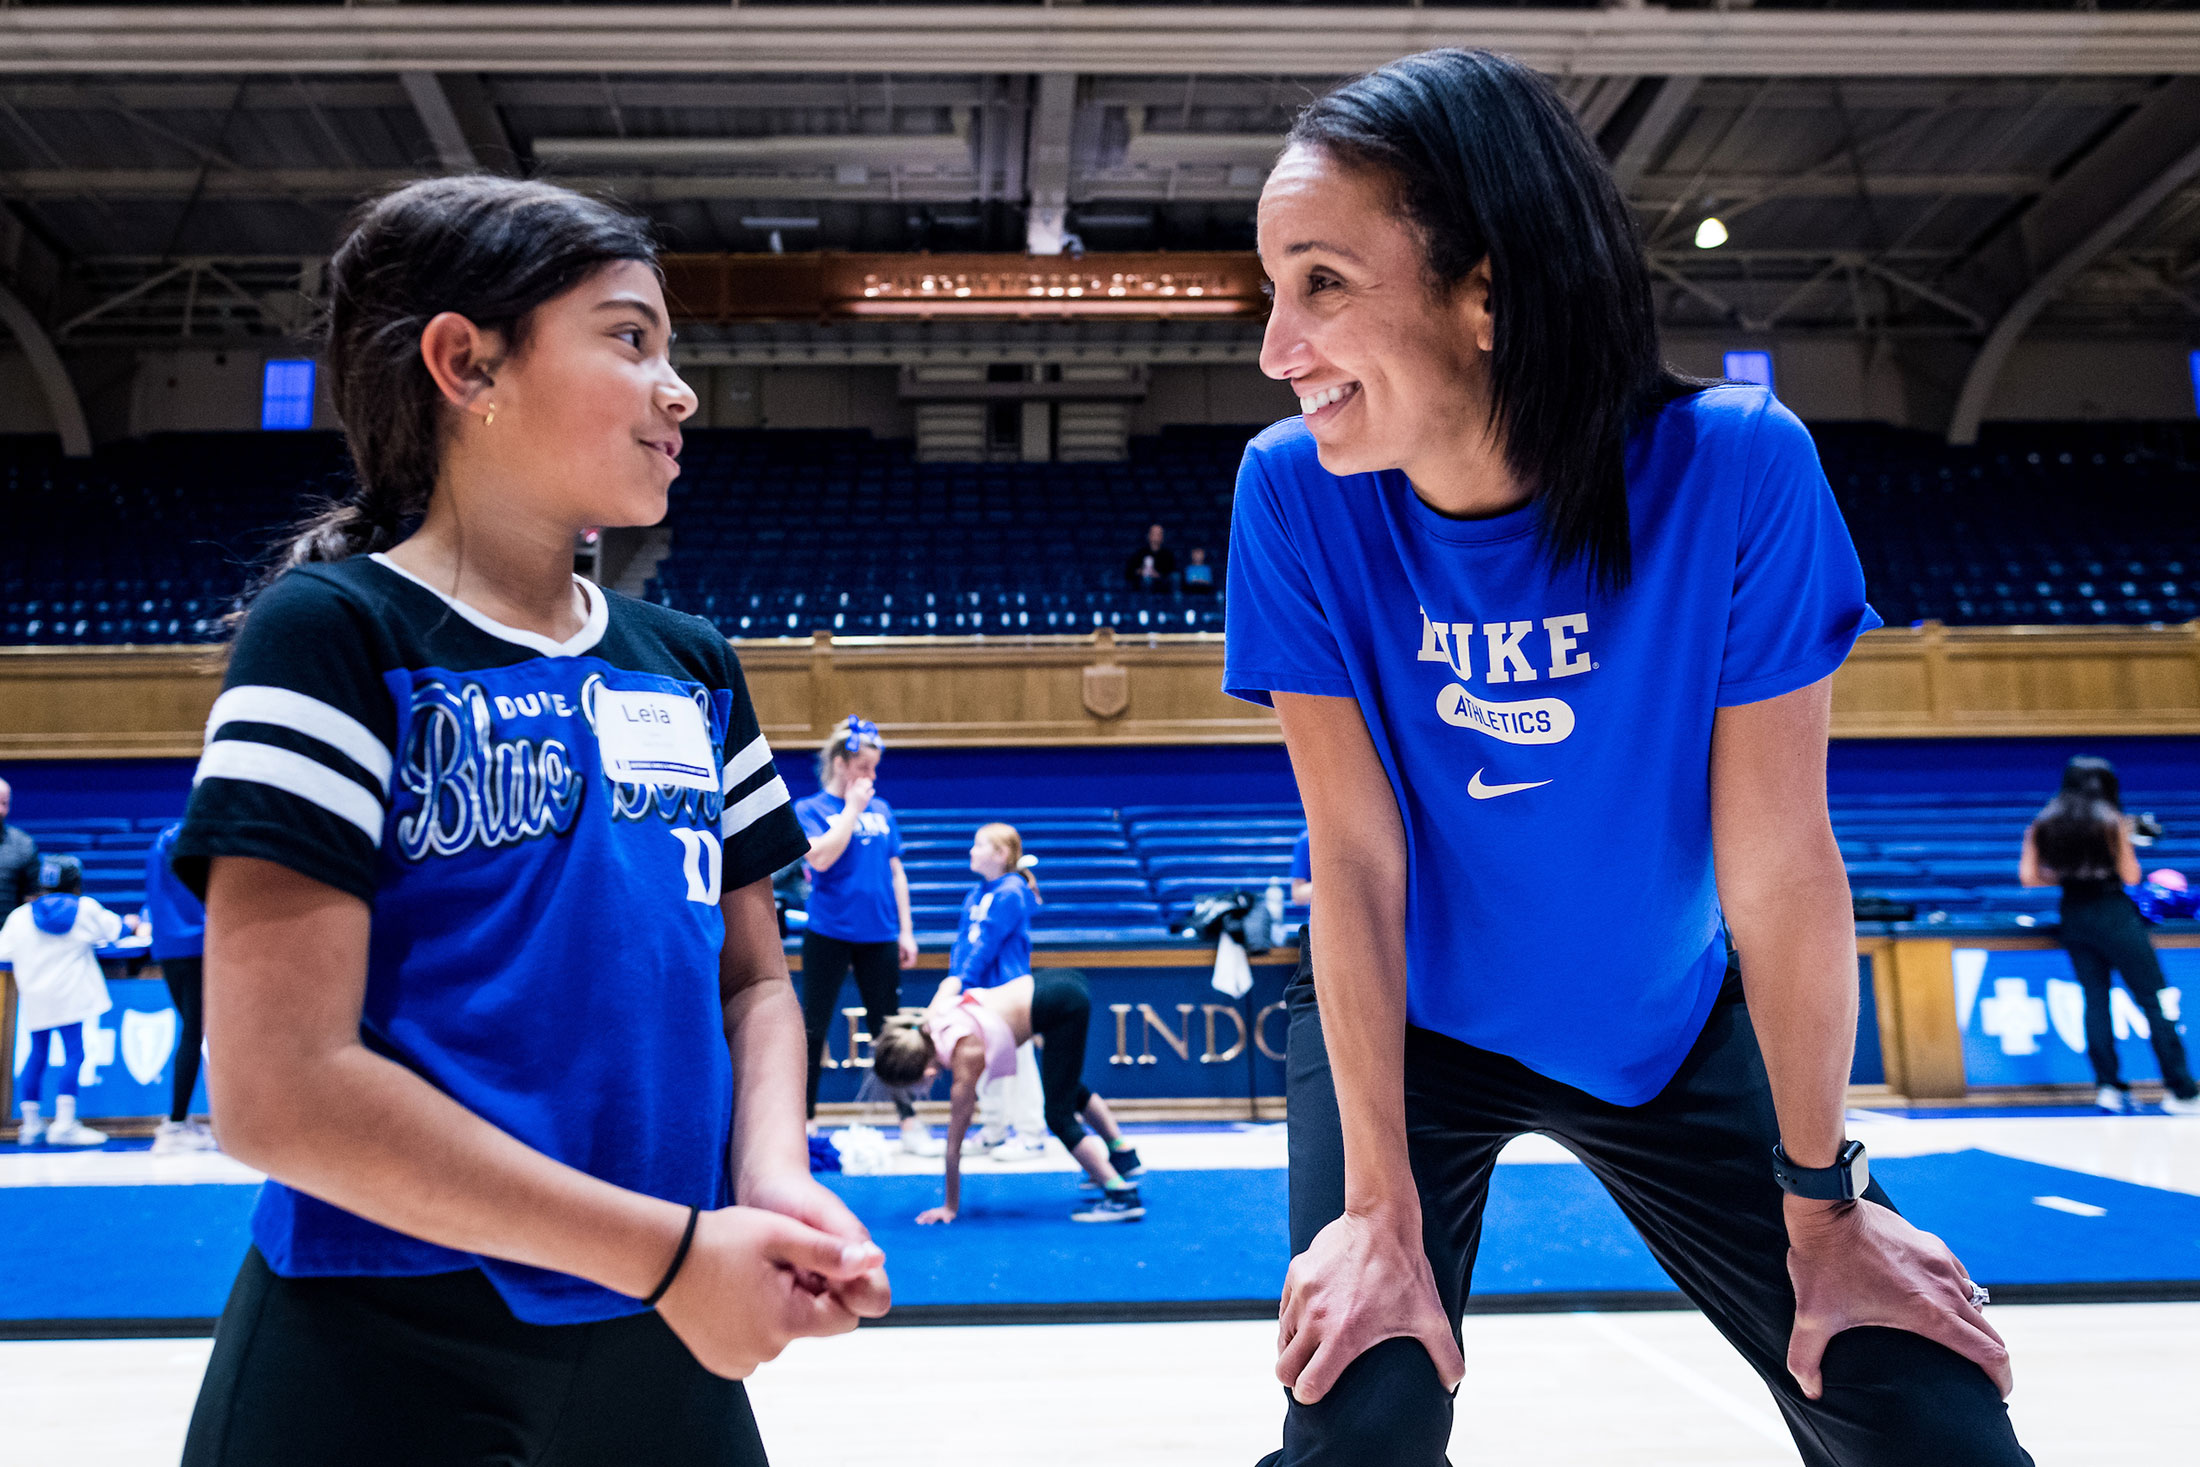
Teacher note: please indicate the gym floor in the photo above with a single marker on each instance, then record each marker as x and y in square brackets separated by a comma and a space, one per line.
[2097, 1383]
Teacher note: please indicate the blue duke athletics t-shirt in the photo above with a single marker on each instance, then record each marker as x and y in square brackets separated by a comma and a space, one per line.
[1549, 744]
[853, 899]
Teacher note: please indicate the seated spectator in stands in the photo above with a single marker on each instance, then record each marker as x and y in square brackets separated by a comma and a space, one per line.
[1302, 870]
[1199, 576]
[50, 943]
[2082, 843]
[18, 858]
[1152, 566]
[179, 946]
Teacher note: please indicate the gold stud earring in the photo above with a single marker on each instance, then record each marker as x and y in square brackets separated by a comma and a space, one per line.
[490, 420]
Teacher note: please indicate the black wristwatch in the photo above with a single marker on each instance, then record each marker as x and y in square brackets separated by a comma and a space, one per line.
[1844, 1181]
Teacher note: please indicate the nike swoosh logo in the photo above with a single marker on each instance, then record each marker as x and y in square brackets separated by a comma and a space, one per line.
[1482, 791]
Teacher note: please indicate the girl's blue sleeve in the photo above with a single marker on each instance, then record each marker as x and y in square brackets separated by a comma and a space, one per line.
[1002, 918]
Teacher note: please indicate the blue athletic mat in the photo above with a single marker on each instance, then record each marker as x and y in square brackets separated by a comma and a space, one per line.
[168, 1252]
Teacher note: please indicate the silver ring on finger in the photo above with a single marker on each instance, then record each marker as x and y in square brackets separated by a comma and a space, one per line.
[1979, 1297]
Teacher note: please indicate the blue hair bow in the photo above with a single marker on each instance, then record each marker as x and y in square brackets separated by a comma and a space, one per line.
[862, 731]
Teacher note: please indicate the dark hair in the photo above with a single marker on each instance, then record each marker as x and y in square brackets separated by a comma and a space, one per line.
[491, 249]
[1490, 164]
[61, 873]
[2072, 835]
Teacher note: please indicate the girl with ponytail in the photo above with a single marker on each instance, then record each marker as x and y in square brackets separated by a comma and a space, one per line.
[494, 986]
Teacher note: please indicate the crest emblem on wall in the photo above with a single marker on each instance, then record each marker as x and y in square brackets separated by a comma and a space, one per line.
[148, 1038]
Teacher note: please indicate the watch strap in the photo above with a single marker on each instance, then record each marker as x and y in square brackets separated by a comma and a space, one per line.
[1844, 1181]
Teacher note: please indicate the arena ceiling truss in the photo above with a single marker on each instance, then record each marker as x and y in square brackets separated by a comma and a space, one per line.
[1943, 182]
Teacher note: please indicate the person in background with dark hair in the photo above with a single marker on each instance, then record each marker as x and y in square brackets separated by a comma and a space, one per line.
[1152, 566]
[1526, 605]
[859, 905]
[18, 857]
[2082, 843]
[50, 944]
[494, 987]
[179, 946]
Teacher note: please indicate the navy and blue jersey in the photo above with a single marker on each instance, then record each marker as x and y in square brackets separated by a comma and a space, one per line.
[542, 830]
[1541, 732]
[179, 922]
[993, 944]
[853, 899]
[1302, 857]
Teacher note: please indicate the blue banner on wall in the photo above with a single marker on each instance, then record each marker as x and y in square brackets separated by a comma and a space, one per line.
[2023, 1016]
[129, 1054]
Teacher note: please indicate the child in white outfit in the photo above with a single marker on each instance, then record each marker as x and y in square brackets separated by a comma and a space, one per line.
[49, 942]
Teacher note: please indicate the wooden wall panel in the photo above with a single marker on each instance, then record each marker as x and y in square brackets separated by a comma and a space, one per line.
[1925, 681]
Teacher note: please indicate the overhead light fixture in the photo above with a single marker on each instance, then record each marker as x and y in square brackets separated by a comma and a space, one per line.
[754, 221]
[1711, 233]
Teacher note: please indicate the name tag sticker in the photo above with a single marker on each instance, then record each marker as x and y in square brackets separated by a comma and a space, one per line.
[654, 738]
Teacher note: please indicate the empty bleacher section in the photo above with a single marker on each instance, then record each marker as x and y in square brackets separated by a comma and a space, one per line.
[779, 532]
[1131, 874]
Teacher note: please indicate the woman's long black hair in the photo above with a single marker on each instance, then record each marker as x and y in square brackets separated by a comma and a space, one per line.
[1490, 164]
[2072, 833]
[492, 250]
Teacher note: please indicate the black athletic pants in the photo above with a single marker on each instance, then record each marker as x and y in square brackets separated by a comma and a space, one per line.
[435, 1372]
[1692, 1169]
[825, 965]
[186, 978]
[2105, 934]
[1061, 1013]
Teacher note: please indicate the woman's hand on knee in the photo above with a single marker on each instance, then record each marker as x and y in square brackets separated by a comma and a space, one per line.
[1362, 1281]
[1862, 1264]
[756, 1280]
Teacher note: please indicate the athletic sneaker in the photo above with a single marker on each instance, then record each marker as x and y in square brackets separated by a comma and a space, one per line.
[1017, 1150]
[175, 1137]
[918, 1140]
[1126, 1163]
[2178, 1105]
[1119, 1205]
[73, 1132]
[34, 1125]
[2112, 1100]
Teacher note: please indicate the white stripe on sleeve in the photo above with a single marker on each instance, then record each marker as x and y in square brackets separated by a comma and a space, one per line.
[746, 812]
[747, 762]
[283, 708]
[294, 773]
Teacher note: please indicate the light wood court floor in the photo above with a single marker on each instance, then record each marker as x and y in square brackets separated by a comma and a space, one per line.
[2097, 1384]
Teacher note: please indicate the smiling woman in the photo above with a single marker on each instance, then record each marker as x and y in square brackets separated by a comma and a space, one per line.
[1494, 482]
[500, 1159]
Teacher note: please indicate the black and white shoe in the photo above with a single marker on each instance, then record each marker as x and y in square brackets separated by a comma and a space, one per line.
[1126, 1163]
[1119, 1205]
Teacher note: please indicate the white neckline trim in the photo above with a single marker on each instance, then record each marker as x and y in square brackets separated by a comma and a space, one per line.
[591, 632]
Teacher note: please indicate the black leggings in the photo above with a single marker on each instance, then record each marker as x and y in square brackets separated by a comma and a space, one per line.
[1061, 1012]
[435, 1372]
[825, 965]
[1692, 1170]
[2106, 934]
[186, 985]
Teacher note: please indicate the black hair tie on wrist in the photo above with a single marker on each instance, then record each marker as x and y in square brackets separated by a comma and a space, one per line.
[679, 1256]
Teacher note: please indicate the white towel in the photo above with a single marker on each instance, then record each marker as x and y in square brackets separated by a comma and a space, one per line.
[1233, 974]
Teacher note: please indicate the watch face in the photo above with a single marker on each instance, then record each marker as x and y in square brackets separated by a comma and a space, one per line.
[1860, 1173]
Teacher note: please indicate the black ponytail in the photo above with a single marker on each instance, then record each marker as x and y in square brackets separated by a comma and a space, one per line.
[491, 249]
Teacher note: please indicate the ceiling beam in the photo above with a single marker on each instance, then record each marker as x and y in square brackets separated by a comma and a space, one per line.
[1046, 167]
[461, 120]
[52, 40]
[138, 185]
[2092, 208]
[62, 402]
[1637, 136]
